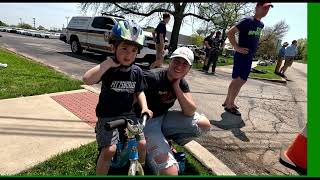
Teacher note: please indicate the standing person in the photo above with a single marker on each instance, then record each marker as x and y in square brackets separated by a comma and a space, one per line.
[163, 88]
[208, 45]
[291, 52]
[249, 30]
[216, 46]
[281, 56]
[159, 36]
[121, 82]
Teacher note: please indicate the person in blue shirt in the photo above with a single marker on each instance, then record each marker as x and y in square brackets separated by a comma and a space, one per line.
[291, 52]
[249, 30]
[281, 55]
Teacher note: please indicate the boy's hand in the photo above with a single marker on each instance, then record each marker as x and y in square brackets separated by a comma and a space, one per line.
[176, 83]
[111, 62]
[148, 111]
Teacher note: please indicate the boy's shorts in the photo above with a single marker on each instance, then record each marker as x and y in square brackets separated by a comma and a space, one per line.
[172, 125]
[105, 137]
[241, 66]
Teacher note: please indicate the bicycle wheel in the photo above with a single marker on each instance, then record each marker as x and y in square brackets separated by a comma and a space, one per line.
[132, 169]
[135, 169]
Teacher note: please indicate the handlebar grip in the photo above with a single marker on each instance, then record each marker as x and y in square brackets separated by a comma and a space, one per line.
[115, 124]
[145, 116]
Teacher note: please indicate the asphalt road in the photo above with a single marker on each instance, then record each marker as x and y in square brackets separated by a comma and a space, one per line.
[272, 113]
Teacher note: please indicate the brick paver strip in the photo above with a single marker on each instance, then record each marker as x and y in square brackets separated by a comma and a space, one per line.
[82, 105]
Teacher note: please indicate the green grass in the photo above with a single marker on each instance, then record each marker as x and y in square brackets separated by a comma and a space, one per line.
[24, 77]
[269, 75]
[81, 162]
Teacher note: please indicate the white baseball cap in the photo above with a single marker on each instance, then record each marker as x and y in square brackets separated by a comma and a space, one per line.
[185, 53]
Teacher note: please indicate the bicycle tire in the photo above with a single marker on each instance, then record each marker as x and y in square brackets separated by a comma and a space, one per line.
[135, 169]
[132, 169]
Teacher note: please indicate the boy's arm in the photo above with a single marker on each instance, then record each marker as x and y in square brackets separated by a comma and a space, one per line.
[186, 102]
[143, 103]
[93, 75]
[232, 38]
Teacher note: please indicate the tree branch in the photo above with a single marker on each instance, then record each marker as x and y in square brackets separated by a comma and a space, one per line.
[142, 14]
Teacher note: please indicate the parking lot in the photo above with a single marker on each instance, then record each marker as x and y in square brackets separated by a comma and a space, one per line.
[250, 145]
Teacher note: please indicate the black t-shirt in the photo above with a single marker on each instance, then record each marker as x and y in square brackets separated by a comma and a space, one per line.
[117, 91]
[209, 40]
[161, 28]
[159, 91]
[214, 42]
[249, 35]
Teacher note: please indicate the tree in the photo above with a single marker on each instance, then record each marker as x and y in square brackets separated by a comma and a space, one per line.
[178, 10]
[197, 39]
[302, 49]
[223, 15]
[269, 37]
[24, 26]
[3, 24]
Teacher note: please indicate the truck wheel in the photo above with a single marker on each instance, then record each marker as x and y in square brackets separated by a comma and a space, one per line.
[75, 47]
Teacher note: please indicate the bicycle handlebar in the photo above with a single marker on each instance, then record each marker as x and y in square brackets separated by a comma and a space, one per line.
[125, 122]
[115, 124]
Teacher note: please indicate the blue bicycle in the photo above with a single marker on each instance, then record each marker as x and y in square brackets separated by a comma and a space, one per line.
[127, 147]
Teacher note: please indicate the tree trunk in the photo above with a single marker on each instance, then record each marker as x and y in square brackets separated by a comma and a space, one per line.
[175, 33]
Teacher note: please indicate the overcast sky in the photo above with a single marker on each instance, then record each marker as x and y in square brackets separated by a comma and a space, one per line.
[52, 15]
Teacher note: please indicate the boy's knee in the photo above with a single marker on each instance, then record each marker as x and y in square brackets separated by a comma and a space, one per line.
[109, 150]
[142, 144]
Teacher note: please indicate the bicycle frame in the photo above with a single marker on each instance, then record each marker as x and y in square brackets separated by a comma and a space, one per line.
[132, 130]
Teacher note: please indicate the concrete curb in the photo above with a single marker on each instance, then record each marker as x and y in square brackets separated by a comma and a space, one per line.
[208, 159]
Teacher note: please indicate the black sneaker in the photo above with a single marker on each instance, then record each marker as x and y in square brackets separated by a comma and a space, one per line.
[233, 111]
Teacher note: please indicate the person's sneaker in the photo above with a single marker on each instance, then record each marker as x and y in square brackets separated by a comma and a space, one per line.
[233, 111]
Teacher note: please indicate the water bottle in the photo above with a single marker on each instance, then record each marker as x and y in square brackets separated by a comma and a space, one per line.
[180, 157]
[3, 65]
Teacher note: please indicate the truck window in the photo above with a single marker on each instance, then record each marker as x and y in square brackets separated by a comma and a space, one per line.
[102, 23]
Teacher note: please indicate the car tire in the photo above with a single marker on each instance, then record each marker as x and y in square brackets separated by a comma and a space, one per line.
[76, 47]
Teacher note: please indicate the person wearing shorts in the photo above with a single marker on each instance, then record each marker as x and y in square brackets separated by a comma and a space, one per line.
[159, 36]
[163, 87]
[122, 82]
[249, 30]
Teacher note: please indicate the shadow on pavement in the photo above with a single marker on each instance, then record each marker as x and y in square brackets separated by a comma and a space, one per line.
[90, 57]
[233, 123]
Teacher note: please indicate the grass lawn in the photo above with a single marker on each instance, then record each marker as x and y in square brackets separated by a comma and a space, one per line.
[81, 162]
[269, 75]
[24, 77]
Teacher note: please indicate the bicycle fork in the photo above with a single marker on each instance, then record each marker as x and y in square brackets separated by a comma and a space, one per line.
[135, 166]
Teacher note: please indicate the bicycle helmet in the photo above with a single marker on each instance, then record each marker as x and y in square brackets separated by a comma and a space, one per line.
[127, 30]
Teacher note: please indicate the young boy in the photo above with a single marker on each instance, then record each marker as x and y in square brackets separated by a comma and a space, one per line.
[121, 82]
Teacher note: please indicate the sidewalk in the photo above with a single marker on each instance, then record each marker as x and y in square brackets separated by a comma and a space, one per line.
[35, 128]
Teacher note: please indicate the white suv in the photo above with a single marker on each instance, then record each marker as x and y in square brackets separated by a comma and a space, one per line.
[92, 34]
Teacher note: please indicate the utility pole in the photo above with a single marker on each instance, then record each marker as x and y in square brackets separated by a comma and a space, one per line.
[20, 21]
[67, 17]
[34, 22]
